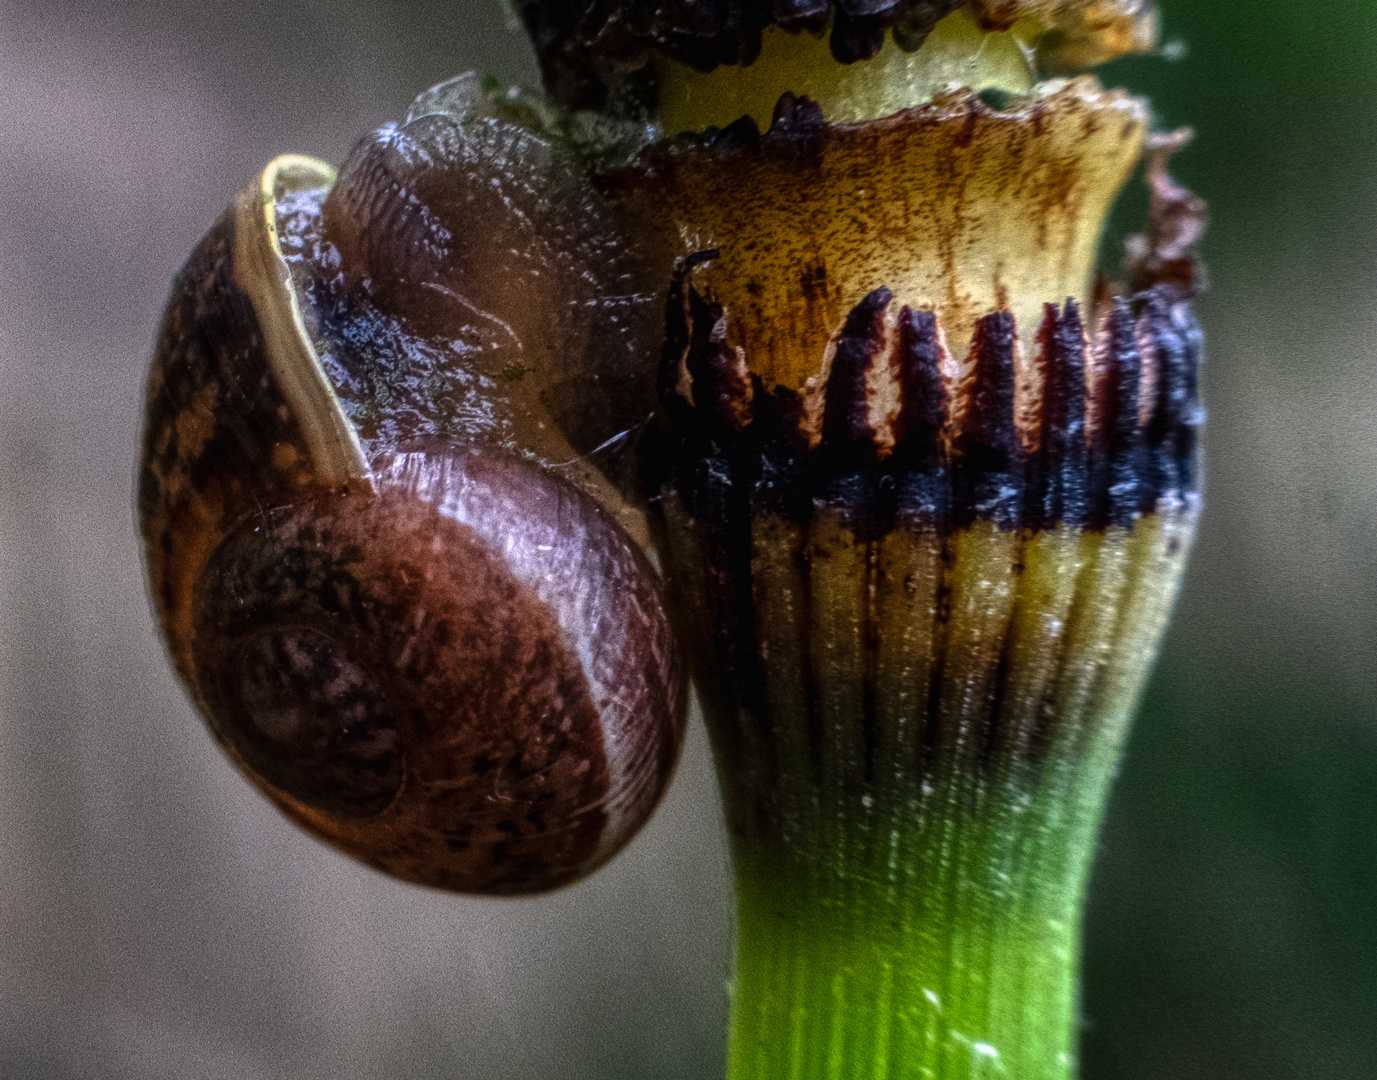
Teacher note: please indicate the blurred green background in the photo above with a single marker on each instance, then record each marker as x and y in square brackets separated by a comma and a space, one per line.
[1233, 915]
[157, 919]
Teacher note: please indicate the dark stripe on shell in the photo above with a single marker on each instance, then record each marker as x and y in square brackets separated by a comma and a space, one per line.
[218, 439]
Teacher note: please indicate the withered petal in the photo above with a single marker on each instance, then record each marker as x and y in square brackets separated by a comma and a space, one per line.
[951, 205]
[593, 52]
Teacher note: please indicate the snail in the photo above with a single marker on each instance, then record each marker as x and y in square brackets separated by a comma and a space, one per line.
[411, 608]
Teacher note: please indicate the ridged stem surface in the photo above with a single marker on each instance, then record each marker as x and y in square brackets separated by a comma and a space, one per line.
[918, 637]
[914, 815]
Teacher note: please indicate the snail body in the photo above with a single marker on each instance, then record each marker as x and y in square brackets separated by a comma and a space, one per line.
[419, 622]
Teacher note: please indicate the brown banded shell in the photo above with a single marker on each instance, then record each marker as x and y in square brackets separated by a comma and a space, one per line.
[439, 654]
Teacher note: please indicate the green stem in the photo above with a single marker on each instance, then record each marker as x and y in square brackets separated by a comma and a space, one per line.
[913, 949]
[916, 912]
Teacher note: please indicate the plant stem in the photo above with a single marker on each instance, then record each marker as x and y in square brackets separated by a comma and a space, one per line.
[932, 964]
[918, 915]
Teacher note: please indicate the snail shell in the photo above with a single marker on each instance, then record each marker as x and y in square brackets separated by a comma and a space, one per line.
[433, 650]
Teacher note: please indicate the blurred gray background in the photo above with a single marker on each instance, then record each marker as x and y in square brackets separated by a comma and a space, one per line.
[158, 919]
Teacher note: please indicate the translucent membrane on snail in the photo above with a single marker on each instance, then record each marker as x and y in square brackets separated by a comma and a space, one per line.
[517, 310]
[406, 609]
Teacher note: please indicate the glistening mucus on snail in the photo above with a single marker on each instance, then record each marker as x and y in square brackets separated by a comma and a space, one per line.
[418, 636]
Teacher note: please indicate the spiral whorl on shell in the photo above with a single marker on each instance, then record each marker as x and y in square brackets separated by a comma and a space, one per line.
[416, 633]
